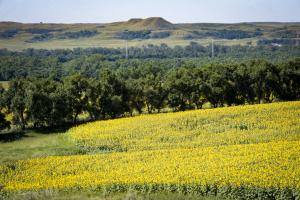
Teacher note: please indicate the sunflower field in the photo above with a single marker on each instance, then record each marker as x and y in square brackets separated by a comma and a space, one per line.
[246, 152]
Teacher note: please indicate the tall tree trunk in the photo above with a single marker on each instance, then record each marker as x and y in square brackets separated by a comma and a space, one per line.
[75, 118]
[149, 108]
[22, 120]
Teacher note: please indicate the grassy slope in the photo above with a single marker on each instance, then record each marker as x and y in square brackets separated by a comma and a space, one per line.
[106, 37]
[16, 44]
[33, 144]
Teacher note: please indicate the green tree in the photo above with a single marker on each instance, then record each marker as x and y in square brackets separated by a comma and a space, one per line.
[15, 101]
[114, 95]
[180, 84]
[136, 95]
[265, 77]
[290, 80]
[39, 102]
[3, 122]
[75, 88]
[214, 84]
[95, 104]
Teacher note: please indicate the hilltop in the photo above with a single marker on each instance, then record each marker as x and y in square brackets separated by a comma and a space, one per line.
[155, 23]
[151, 23]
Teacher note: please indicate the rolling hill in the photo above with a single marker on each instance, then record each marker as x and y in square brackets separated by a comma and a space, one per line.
[152, 23]
[153, 30]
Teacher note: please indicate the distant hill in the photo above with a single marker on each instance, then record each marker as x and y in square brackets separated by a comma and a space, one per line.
[151, 23]
[155, 23]
[153, 30]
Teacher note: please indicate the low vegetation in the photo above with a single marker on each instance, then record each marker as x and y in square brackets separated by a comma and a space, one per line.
[42, 30]
[41, 37]
[273, 42]
[78, 34]
[21, 145]
[130, 35]
[224, 34]
[8, 34]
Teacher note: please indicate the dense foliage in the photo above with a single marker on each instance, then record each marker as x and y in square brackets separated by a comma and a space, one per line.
[147, 86]
[193, 50]
[62, 62]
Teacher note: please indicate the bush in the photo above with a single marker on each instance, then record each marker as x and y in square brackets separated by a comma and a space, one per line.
[163, 34]
[130, 35]
[8, 34]
[41, 38]
[78, 34]
[41, 30]
[223, 34]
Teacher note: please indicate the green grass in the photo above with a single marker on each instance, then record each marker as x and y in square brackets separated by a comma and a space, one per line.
[17, 44]
[32, 144]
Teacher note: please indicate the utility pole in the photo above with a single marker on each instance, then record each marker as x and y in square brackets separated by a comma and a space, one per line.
[297, 39]
[126, 49]
[212, 48]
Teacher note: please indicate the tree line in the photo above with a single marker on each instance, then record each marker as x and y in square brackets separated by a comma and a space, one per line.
[162, 51]
[63, 62]
[224, 34]
[42, 102]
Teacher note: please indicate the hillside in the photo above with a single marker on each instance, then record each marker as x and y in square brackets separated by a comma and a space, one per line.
[153, 30]
[229, 152]
[152, 23]
[155, 23]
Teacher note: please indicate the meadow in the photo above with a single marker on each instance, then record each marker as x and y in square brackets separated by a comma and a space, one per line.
[245, 152]
[18, 44]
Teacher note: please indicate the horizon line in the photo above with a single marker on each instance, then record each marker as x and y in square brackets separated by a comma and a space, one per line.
[200, 22]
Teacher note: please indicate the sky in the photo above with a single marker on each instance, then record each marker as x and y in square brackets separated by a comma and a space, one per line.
[176, 11]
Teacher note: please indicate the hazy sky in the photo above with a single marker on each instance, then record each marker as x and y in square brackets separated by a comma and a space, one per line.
[70, 11]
